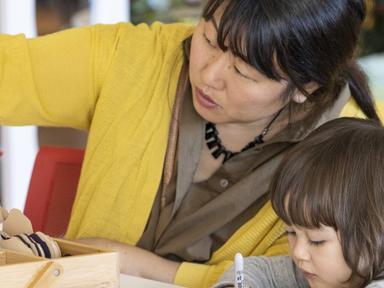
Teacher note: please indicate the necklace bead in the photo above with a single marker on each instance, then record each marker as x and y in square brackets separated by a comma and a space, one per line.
[214, 144]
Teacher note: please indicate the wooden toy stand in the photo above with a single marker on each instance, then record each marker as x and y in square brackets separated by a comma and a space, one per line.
[81, 266]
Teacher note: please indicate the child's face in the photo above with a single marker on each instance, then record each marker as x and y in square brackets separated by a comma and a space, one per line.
[318, 254]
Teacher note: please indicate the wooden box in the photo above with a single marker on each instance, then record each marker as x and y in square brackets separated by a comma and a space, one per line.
[81, 266]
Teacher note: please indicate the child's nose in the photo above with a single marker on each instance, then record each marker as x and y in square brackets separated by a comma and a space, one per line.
[300, 251]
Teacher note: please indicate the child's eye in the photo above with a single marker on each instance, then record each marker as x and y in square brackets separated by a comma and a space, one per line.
[316, 243]
[290, 233]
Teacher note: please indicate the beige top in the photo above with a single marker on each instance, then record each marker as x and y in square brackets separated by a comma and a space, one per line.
[199, 218]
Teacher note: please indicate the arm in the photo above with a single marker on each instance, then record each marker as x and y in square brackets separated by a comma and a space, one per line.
[138, 262]
[54, 80]
[259, 272]
[266, 239]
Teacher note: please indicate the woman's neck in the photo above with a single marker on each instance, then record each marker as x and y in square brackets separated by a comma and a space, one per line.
[235, 136]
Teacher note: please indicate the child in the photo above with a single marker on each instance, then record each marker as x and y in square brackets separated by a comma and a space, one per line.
[329, 191]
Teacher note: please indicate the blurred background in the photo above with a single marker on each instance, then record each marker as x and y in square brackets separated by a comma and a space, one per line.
[40, 17]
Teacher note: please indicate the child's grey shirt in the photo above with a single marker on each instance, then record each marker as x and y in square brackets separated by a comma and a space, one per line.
[272, 272]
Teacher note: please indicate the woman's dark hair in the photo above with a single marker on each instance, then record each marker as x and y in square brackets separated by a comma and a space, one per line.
[301, 41]
[335, 177]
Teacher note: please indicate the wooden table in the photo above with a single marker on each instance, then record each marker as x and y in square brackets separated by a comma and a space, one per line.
[135, 282]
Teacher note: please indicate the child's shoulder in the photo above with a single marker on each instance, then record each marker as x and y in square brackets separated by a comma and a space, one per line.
[280, 270]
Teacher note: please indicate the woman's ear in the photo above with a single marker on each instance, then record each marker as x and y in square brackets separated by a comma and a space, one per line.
[299, 98]
[309, 88]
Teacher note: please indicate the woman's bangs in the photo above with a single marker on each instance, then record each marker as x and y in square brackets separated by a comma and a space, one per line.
[210, 9]
[244, 29]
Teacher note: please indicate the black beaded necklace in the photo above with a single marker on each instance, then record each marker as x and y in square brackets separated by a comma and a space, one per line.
[213, 140]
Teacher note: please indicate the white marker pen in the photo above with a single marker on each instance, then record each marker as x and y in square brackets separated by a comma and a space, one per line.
[239, 273]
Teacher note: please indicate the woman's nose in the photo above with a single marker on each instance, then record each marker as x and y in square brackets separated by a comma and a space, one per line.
[214, 72]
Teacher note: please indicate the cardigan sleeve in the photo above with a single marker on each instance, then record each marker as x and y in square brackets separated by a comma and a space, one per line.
[54, 80]
[195, 275]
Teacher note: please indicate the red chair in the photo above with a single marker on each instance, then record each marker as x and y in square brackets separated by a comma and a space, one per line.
[52, 189]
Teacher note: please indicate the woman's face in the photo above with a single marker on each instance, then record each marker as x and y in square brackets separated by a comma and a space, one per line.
[225, 89]
[319, 256]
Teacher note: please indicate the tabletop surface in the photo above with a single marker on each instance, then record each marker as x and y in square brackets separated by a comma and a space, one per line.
[127, 281]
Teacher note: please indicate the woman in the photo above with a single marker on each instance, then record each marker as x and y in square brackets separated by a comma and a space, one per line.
[183, 143]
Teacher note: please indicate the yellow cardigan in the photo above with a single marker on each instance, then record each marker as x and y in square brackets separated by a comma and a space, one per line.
[118, 82]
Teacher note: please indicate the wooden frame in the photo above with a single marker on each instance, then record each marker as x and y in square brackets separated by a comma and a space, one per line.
[81, 266]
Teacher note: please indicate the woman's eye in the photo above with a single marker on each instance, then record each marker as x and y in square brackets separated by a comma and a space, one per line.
[242, 75]
[316, 243]
[210, 43]
[238, 71]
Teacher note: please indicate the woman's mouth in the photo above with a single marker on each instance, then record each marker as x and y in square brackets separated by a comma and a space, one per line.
[204, 100]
